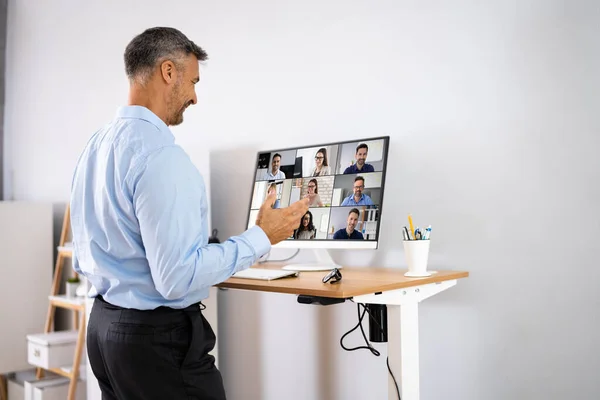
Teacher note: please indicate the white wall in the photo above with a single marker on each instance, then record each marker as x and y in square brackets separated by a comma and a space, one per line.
[492, 112]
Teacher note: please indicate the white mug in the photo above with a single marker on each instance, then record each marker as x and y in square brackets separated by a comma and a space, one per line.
[417, 254]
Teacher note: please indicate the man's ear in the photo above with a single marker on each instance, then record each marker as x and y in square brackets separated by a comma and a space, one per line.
[167, 70]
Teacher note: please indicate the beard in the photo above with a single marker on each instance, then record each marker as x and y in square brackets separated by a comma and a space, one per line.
[177, 117]
[175, 110]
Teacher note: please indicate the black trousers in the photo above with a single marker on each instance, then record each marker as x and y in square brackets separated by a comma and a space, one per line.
[158, 354]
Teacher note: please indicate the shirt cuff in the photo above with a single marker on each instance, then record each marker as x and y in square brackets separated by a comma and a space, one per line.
[259, 241]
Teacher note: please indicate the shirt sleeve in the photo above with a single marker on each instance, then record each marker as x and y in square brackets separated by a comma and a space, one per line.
[169, 200]
[75, 263]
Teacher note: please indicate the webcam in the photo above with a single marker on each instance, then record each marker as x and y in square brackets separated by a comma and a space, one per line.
[333, 276]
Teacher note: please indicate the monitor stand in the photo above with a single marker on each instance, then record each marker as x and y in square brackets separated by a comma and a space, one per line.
[324, 263]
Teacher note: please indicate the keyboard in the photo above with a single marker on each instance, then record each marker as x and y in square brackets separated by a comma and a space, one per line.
[264, 274]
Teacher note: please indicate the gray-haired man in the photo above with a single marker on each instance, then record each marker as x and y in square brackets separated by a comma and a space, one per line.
[140, 234]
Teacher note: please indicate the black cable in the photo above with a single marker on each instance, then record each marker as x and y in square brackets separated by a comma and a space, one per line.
[387, 358]
[368, 346]
[285, 259]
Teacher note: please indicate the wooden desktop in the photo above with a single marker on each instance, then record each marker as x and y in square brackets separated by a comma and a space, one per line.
[371, 285]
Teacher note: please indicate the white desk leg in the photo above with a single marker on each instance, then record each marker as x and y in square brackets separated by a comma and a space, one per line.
[403, 350]
[403, 333]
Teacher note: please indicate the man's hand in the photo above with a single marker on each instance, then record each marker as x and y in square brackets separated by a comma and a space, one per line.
[279, 224]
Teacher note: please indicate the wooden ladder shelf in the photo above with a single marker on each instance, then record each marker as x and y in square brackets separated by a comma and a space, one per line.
[75, 304]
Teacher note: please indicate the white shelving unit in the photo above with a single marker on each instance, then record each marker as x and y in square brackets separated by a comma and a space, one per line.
[26, 229]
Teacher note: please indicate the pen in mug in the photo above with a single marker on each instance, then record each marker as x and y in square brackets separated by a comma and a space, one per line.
[427, 232]
[410, 224]
[406, 234]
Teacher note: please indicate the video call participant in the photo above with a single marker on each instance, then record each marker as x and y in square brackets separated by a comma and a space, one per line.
[322, 166]
[307, 229]
[358, 198]
[274, 172]
[272, 189]
[360, 166]
[349, 231]
[313, 194]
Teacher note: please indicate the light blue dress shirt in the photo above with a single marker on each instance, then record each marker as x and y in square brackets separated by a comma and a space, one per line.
[268, 176]
[140, 223]
[365, 200]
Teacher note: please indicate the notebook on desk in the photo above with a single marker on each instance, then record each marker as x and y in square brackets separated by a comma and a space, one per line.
[264, 274]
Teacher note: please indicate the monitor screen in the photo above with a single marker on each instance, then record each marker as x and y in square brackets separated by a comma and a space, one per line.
[344, 182]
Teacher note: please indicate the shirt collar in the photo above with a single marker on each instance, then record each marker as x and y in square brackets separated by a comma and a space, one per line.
[352, 197]
[140, 112]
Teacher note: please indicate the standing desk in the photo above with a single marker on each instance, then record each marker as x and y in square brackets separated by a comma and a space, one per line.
[372, 285]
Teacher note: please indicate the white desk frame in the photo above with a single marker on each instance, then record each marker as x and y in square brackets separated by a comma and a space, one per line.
[403, 333]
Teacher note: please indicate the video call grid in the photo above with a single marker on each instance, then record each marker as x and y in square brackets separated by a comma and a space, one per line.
[271, 170]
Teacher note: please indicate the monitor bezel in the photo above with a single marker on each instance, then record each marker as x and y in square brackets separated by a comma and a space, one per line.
[327, 243]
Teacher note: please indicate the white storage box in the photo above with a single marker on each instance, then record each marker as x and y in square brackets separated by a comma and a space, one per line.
[53, 389]
[15, 391]
[51, 350]
[17, 381]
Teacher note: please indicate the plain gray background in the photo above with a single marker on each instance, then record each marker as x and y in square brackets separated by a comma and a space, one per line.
[492, 109]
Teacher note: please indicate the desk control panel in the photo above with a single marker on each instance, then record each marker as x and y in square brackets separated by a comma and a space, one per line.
[324, 301]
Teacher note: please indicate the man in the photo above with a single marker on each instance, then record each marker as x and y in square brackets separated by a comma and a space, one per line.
[349, 231]
[361, 157]
[139, 220]
[274, 172]
[357, 198]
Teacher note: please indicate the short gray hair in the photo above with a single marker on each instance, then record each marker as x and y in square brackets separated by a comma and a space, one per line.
[155, 45]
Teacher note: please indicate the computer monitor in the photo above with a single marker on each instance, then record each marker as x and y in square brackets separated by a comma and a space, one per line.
[345, 182]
